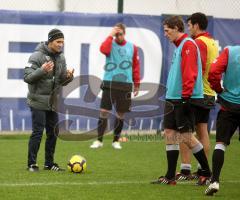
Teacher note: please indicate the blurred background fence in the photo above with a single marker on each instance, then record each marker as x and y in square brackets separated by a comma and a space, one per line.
[86, 23]
[216, 8]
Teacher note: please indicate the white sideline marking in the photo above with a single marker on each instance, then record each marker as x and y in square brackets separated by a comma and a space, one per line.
[72, 183]
[94, 183]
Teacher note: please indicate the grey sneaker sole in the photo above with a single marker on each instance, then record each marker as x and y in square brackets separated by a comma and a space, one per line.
[32, 170]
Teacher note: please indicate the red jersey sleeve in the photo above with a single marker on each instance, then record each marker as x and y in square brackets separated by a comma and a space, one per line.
[218, 67]
[203, 52]
[136, 67]
[106, 46]
[189, 67]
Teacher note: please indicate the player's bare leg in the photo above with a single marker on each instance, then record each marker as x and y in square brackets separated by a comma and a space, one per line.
[197, 150]
[172, 150]
[185, 153]
[202, 134]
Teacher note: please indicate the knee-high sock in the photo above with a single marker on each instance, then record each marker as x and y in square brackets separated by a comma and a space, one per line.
[217, 161]
[199, 154]
[117, 129]
[172, 151]
[185, 168]
[102, 124]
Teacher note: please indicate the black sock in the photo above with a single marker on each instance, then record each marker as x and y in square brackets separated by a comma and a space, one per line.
[185, 169]
[217, 163]
[202, 159]
[102, 124]
[117, 129]
[172, 157]
[199, 172]
[185, 172]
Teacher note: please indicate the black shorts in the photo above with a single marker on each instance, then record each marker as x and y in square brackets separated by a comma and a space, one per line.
[120, 99]
[178, 118]
[227, 124]
[201, 114]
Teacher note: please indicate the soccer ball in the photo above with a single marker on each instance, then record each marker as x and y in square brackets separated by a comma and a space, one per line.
[77, 164]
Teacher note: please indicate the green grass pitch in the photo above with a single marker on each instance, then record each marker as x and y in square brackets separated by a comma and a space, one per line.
[111, 174]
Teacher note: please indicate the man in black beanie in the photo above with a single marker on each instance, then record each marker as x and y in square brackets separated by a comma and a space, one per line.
[45, 73]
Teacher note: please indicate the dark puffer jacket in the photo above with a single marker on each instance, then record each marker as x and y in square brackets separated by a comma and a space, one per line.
[44, 86]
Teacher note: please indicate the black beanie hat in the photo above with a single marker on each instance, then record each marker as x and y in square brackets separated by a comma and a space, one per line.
[55, 34]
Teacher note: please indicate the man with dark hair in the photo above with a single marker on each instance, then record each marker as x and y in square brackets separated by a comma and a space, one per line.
[184, 88]
[45, 73]
[228, 119]
[122, 72]
[199, 19]
[197, 24]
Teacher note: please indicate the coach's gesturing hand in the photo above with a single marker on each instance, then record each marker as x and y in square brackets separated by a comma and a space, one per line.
[48, 66]
[70, 72]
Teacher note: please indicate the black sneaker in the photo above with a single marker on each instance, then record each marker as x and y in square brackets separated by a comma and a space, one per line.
[195, 175]
[204, 180]
[164, 181]
[53, 167]
[212, 188]
[33, 168]
[182, 177]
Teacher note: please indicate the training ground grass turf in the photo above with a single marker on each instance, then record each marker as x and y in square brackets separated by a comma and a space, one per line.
[111, 174]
